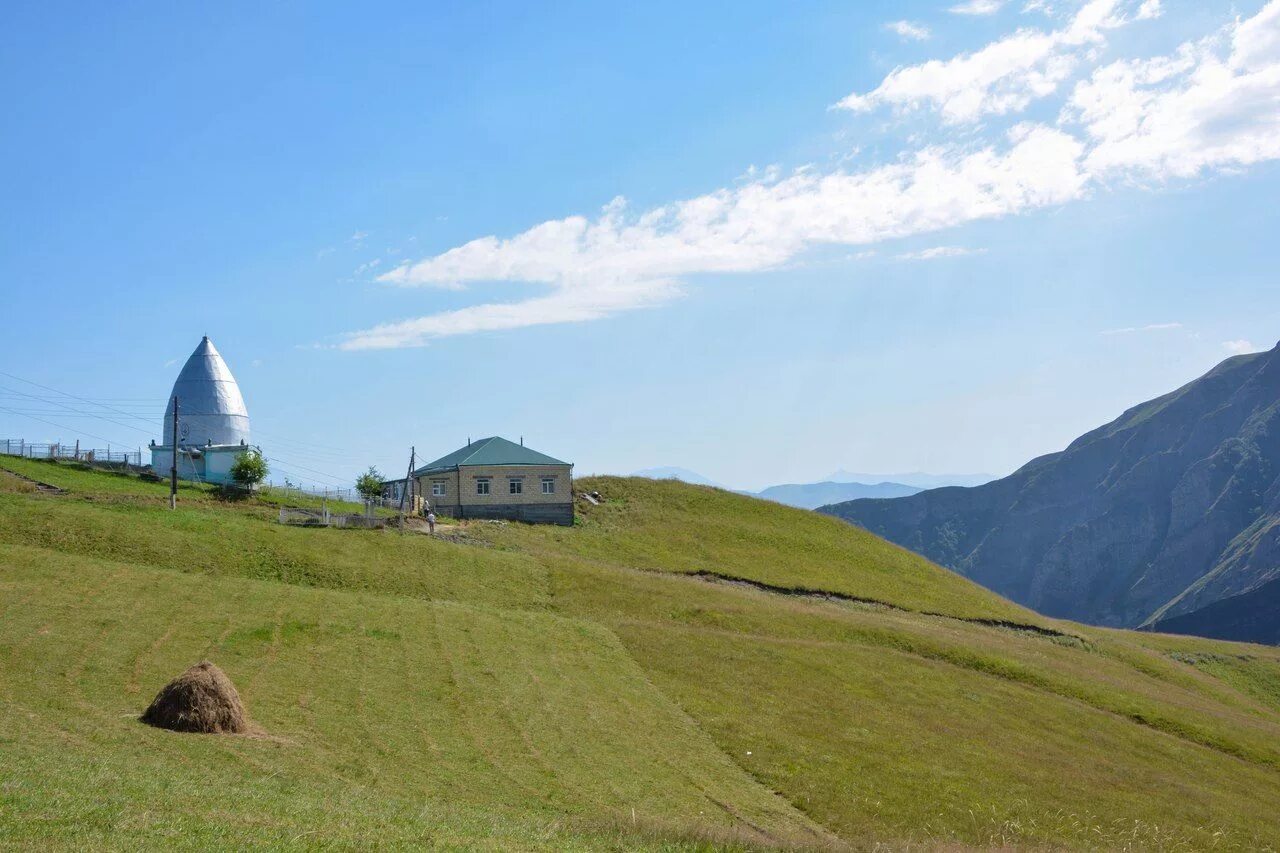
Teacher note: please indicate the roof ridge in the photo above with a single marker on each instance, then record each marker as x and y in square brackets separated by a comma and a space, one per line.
[475, 447]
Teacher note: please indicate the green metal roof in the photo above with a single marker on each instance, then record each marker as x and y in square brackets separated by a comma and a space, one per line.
[489, 451]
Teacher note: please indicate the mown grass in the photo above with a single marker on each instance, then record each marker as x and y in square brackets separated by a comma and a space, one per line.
[217, 540]
[886, 725]
[667, 526]
[526, 687]
[431, 706]
[79, 477]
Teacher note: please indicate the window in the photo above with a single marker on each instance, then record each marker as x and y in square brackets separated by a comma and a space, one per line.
[515, 485]
[437, 490]
[548, 485]
[482, 486]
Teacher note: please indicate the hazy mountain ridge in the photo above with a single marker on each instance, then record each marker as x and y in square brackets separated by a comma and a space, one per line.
[814, 495]
[673, 472]
[1170, 507]
[917, 479]
[840, 486]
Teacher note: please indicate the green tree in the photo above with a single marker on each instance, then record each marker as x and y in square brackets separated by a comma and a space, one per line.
[249, 469]
[369, 484]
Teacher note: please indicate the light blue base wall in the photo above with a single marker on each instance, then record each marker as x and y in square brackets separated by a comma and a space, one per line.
[212, 465]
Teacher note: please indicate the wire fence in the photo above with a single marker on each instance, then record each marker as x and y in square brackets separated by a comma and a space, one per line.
[35, 450]
[286, 490]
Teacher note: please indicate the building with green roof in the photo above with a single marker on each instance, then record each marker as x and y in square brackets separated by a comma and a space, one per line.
[495, 478]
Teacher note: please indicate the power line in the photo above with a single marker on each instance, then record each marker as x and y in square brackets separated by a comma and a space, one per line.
[72, 396]
[81, 412]
[64, 426]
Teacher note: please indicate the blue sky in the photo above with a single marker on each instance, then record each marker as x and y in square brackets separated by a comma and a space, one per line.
[761, 244]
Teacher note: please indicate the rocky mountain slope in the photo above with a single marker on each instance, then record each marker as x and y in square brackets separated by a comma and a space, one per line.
[1171, 507]
[1249, 616]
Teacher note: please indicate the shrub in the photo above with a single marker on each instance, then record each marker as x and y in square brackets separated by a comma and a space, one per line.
[249, 469]
[369, 484]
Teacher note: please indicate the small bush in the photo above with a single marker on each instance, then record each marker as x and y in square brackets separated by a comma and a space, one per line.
[369, 484]
[249, 469]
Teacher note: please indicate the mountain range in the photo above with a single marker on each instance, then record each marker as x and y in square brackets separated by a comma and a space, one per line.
[814, 495]
[840, 486]
[672, 472]
[919, 479]
[1167, 517]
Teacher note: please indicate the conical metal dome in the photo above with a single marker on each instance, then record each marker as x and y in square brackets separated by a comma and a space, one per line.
[210, 408]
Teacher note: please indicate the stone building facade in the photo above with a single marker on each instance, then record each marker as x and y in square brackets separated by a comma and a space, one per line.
[496, 478]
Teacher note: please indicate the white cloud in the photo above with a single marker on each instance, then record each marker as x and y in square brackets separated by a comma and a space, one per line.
[940, 252]
[1150, 9]
[908, 30]
[977, 7]
[1002, 77]
[1213, 104]
[1238, 347]
[1151, 327]
[594, 268]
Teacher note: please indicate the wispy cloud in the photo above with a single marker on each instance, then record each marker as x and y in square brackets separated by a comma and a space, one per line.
[620, 261]
[1238, 347]
[1002, 77]
[908, 31]
[1214, 104]
[977, 7]
[1150, 327]
[940, 252]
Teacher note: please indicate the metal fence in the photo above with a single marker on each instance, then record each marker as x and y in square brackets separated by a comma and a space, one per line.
[301, 517]
[35, 450]
[289, 489]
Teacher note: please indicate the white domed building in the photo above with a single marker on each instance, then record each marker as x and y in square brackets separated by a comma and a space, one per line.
[213, 423]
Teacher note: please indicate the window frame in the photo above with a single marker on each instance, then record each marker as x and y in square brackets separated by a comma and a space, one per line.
[515, 485]
[437, 489]
[482, 485]
[548, 482]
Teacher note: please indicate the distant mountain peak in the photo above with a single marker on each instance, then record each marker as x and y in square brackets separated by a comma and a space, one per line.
[1170, 507]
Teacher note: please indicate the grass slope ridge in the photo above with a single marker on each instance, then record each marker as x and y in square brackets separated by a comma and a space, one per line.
[1172, 506]
[685, 668]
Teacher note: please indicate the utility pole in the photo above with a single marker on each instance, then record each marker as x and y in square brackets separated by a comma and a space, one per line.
[173, 468]
[408, 485]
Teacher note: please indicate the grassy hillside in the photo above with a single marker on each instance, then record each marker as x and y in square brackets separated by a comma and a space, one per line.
[684, 668]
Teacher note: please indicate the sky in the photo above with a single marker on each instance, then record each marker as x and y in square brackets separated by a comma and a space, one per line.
[761, 242]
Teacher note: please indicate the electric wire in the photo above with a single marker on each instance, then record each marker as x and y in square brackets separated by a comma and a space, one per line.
[286, 466]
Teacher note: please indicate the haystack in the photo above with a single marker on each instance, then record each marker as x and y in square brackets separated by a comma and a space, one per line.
[202, 699]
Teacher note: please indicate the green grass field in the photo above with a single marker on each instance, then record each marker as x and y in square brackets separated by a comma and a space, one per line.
[683, 669]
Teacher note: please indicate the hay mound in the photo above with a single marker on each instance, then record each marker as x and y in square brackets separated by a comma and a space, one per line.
[203, 700]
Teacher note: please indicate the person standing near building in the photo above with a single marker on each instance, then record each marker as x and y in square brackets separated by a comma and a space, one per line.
[431, 521]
